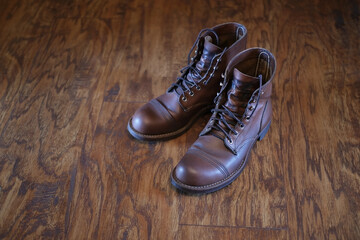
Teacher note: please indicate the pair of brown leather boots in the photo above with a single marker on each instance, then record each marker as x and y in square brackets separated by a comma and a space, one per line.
[235, 84]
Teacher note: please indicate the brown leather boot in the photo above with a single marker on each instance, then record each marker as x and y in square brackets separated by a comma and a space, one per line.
[172, 113]
[242, 115]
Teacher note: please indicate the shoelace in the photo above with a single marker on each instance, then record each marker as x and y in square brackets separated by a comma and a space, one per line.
[183, 84]
[234, 117]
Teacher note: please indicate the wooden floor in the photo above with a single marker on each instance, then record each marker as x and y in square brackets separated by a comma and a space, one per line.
[73, 72]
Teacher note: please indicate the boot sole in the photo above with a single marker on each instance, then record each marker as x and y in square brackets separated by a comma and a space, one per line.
[222, 183]
[165, 136]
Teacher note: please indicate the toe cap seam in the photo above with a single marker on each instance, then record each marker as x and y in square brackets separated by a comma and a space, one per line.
[212, 161]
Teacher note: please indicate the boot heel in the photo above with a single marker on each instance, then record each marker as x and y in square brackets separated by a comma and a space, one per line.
[264, 131]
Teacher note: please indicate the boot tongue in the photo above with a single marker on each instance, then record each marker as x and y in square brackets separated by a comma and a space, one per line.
[242, 87]
[208, 52]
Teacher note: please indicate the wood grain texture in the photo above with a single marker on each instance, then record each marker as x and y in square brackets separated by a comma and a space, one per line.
[73, 72]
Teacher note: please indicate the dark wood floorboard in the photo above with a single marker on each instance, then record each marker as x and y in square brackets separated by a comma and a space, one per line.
[72, 73]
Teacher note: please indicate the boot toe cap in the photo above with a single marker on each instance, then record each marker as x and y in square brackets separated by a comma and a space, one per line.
[152, 119]
[195, 171]
[141, 121]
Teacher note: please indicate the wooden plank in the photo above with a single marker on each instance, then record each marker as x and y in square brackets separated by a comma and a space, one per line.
[223, 232]
[53, 110]
[319, 137]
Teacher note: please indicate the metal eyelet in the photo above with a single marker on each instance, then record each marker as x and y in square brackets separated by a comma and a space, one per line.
[184, 99]
[211, 75]
[242, 126]
[217, 94]
[254, 100]
[218, 60]
[247, 118]
[196, 51]
[236, 133]
[222, 75]
[215, 67]
[230, 141]
[221, 84]
[192, 59]
[191, 93]
[198, 88]
[251, 108]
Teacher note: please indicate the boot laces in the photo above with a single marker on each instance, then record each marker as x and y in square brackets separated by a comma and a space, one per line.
[183, 83]
[225, 120]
